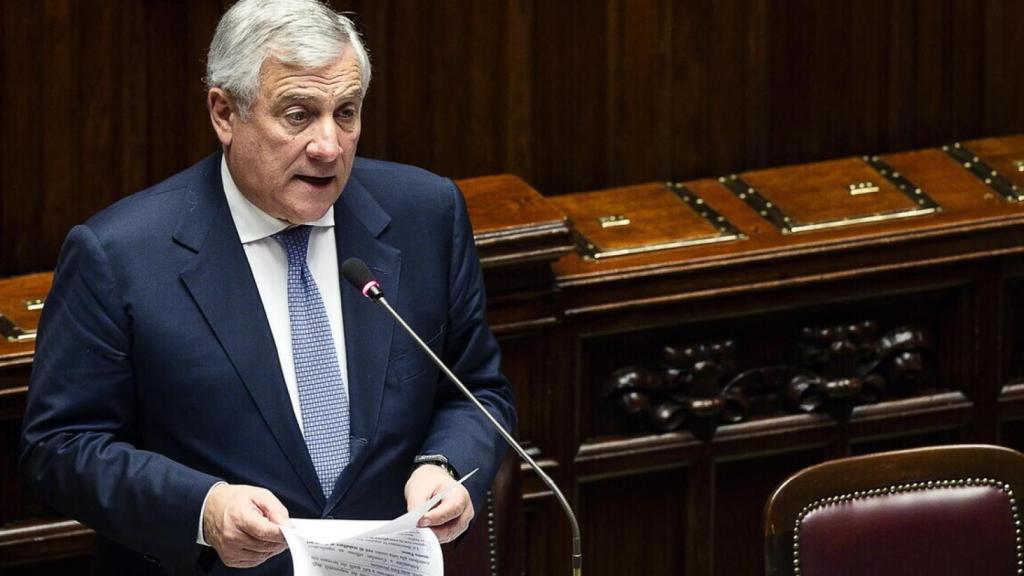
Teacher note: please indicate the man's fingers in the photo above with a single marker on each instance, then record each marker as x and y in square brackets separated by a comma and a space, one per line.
[447, 509]
[450, 530]
[257, 526]
[239, 522]
[418, 494]
[272, 508]
[451, 516]
[274, 550]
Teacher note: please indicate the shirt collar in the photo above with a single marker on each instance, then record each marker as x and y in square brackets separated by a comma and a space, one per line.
[252, 223]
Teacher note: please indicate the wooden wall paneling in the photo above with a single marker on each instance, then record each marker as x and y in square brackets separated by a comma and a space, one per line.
[569, 95]
[967, 70]
[1011, 434]
[1013, 331]
[61, 112]
[570, 83]
[201, 17]
[167, 90]
[519, 62]
[561, 361]
[947, 81]
[692, 41]
[730, 65]
[811, 65]
[409, 126]
[742, 488]
[539, 534]
[132, 115]
[700, 517]
[901, 67]
[905, 441]
[639, 89]
[100, 96]
[446, 76]
[867, 43]
[522, 362]
[635, 524]
[482, 117]
[985, 349]
[22, 202]
[1001, 80]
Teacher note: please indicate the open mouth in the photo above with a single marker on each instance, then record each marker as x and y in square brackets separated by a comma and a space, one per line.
[318, 181]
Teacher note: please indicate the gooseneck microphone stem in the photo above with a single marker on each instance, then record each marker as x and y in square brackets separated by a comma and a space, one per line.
[577, 555]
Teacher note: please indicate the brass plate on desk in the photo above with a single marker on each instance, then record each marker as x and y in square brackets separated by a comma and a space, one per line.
[21, 302]
[831, 194]
[641, 219]
[998, 162]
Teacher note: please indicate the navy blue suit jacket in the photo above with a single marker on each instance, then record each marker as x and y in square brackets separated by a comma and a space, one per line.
[156, 373]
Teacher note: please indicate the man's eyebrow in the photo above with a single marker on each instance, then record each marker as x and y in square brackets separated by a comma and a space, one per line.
[304, 96]
[293, 96]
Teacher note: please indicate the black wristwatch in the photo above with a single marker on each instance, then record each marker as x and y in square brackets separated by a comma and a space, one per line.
[436, 460]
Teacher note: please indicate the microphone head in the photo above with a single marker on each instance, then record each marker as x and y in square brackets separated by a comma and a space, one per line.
[358, 275]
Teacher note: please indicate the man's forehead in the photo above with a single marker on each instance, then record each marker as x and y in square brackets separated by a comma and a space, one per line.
[341, 77]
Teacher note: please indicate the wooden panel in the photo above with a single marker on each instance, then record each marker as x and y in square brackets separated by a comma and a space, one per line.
[659, 353]
[654, 518]
[741, 490]
[1012, 434]
[825, 192]
[1013, 327]
[903, 442]
[569, 95]
[640, 218]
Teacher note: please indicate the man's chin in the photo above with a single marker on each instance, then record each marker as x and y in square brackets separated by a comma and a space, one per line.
[306, 215]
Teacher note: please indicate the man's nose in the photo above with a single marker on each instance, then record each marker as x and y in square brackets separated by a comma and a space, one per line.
[324, 145]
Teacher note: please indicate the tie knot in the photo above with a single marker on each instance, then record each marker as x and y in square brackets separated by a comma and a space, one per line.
[295, 241]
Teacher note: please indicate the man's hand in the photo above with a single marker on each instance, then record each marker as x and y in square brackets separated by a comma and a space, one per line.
[241, 524]
[452, 514]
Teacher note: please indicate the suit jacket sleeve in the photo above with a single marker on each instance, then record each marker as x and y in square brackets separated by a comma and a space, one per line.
[458, 430]
[79, 444]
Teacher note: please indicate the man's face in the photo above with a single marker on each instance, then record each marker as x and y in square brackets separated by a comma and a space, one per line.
[293, 155]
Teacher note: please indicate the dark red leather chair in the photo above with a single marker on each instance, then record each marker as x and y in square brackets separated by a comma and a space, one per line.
[940, 511]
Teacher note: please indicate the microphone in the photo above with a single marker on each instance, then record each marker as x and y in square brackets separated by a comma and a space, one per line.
[355, 271]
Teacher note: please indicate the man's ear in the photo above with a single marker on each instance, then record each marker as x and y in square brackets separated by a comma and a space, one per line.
[223, 114]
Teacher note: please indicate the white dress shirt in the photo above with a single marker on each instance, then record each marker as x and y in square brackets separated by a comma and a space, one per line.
[269, 264]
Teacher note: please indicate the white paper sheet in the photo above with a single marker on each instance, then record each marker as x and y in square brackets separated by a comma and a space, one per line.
[367, 547]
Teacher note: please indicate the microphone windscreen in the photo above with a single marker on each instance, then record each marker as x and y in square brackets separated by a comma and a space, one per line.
[355, 271]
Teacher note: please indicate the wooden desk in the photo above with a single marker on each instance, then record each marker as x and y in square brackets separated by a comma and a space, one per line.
[672, 370]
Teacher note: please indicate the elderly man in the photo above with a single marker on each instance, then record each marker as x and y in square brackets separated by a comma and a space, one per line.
[201, 373]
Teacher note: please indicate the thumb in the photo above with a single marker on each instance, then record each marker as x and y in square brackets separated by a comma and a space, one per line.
[272, 509]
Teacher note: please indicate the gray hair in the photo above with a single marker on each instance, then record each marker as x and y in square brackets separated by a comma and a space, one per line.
[305, 33]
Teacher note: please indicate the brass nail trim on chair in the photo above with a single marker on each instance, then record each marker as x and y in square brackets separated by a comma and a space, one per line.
[911, 487]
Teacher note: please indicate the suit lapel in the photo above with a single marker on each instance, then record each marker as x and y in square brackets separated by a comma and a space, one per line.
[359, 221]
[222, 286]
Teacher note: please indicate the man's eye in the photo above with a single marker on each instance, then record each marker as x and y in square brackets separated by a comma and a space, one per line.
[347, 114]
[296, 116]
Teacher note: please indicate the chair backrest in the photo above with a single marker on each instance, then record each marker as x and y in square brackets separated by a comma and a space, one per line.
[940, 511]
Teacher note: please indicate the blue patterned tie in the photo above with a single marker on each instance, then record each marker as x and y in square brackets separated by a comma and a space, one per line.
[322, 397]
